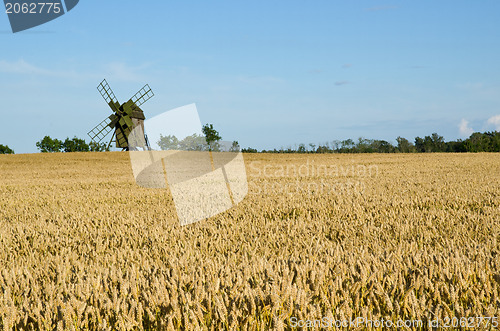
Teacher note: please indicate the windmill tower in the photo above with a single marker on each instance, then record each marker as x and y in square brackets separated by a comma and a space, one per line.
[125, 118]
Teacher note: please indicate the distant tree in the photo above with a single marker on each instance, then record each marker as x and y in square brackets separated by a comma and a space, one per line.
[323, 149]
[483, 142]
[438, 144]
[302, 148]
[382, 146]
[419, 145]
[75, 145]
[404, 146]
[212, 136]
[364, 145]
[249, 150]
[313, 147]
[195, 142]
[335, 145]
[169, 142]
[98, 147]
[49, 145]
[4, 149]
[455, 146]
[235, 147]
[347, 146]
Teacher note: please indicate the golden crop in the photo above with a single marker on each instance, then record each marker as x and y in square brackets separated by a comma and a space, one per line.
[408, 236]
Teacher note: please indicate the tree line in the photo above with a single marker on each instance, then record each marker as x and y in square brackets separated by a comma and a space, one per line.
[477, 142]
[50, 145]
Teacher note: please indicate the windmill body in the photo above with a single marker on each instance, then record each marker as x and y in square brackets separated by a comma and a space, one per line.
[124, 119]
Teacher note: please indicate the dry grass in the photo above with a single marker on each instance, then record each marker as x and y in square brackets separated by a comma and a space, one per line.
[82, 247]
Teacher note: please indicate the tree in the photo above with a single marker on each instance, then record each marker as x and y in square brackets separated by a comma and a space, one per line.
[235, 147]
[98, 147]
[347, 145]
[323, 149]
[168, 142]
[438, 144]
[456, 146]
[75, 145]
[382, 146]
[49, 145]
[483, 142]
[194, 142]
[212, 136]
[364, 145]
[4, 149]
[404, 146]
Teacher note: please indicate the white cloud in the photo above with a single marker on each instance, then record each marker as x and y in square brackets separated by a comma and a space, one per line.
[464, 128]
[21, 67]
[495, 121]
[116, 71]
[119, 71]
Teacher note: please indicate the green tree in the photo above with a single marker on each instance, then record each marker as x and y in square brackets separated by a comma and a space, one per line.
[419, 145]
[438, 144]
[4, 149]
[235, 147]
[49, 145]
[168, 142]
[323, 149]
[212, 136]
[404, 146]
[364, 145]
[194, 142]
[75, 145]
[381, 146]
[347, 146]
[483, 142]
[98, 147]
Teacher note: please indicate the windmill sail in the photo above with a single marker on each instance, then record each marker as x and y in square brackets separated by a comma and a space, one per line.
[143, 95]
[100, 131]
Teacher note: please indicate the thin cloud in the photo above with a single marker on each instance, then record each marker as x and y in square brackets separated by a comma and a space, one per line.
[464, 128]
[346, 65]
[117, 71]
[22, 67]
[342, 82]
[316, 71]
[261, 79]
[122, 72]
[495, 121]
[379, 8]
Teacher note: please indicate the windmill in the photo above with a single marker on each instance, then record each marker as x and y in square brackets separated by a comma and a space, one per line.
[125, 118]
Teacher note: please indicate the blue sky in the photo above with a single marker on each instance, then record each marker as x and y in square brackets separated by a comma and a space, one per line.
[266, 73]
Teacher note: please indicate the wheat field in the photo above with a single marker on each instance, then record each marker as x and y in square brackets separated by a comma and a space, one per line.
[413, 236]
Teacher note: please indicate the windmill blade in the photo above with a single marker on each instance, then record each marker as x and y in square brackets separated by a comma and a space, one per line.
[143, 95]
[100, 131]
[106, 92]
